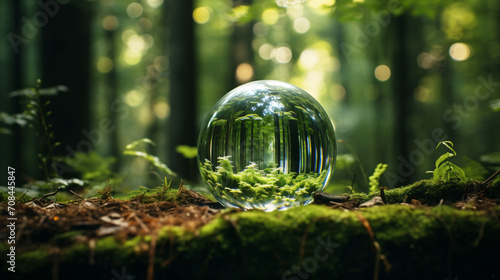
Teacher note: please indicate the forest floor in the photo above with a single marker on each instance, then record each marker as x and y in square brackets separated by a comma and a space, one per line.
[57, 225]
[41, 219]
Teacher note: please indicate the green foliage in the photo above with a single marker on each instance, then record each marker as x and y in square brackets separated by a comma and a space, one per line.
[92, 166]
[445, 170]
[374, 179]
[162, 193]
[475, 170]
[188, 152]
[37, 114]
[18, 119]
[132, 150]
[254, 188]
[345, 161]
[495, 105]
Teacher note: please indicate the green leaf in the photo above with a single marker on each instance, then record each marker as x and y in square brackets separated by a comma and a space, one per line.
[152, 159]
[22, 92]
[134, 144]
[457, 172]
[495, 105]
[187, 151]
[442, 158]
[447, 144]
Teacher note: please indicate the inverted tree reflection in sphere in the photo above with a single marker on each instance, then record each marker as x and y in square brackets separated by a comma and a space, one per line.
[266, 145]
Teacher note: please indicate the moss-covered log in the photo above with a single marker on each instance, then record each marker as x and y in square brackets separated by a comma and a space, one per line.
[310, 242]
[431, 193]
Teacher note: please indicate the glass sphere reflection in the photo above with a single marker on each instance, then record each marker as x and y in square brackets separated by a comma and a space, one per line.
[266, 145]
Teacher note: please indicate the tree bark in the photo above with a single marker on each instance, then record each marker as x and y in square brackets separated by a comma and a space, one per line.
[65, 59]
[183, 83]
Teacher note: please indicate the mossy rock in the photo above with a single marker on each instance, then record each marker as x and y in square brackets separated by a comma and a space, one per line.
[309, 242]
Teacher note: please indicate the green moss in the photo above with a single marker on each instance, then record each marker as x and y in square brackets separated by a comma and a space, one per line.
[33, 262]
[419, 243]
[429, 192]
[260, 189]
[20, 197]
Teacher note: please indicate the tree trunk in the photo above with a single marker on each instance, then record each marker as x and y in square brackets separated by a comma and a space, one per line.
[402, 94]
[65, 58]
[183, 82]
[241, 46]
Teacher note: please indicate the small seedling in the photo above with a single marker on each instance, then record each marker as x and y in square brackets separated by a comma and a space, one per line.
[36, 112]
[445, 170]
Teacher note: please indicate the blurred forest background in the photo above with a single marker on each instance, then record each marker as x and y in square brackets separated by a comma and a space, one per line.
[395, 77]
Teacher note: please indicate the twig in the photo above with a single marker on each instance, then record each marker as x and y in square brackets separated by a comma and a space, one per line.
[304, 238]
[141, 223]
[152, 252]
[19, 199]
[179, 191]
[382, 195]
[378, 251]
[353, 180]
[82, 198]
[491, 177]
[49, 194]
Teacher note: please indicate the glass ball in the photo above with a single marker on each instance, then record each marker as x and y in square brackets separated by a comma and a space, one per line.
[266, 145]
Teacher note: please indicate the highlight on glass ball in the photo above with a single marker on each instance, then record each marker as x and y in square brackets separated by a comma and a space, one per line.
[266, 145]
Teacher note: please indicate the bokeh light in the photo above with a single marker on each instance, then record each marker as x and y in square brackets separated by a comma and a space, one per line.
[110, 23]
[321, 6]
[301, 25]
[136, 43]
[308, 58]
[337, 92]
[459, 51]
[422, 94]
[260, 29]
[161, 110]
[201, 15]
[244, 73]
[270, 16]
[265, 51]
[134, 10]
[382, 73]
[126, 34]
[144, 24]
[289, 3]
[104, 64]
[282, 54]
[131, 57]
[134, 98]
[155, 3]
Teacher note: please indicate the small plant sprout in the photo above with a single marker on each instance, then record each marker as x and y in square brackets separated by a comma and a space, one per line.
[374, 179]
[36, 111]
[445, 170]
